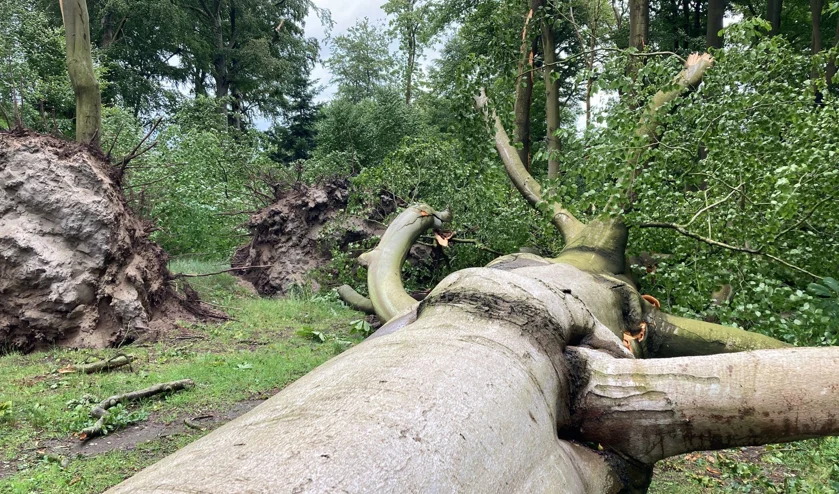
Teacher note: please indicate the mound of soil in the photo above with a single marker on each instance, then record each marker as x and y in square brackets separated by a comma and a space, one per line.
[76, 267]
[288, 236]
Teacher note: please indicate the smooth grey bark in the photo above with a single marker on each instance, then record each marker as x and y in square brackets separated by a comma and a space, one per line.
[80, 69]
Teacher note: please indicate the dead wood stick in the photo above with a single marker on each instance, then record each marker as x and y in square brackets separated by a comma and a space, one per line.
[190, 275]
[102, 365]
[100, 410]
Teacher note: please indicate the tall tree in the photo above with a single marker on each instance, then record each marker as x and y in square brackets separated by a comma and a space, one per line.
[551, 76]
[639, 23]
[250, 49]
[360, 61]
[80, 68]
[410, 24]
[295, 137]
[716, 12]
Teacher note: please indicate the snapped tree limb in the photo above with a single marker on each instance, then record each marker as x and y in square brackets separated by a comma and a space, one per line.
[648, 410]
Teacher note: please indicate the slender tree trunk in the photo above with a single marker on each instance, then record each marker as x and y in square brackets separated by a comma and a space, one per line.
[816, 7]
[410, 73]
[80, 68]
[639, 23]
[831, 64]
[773, 15]
[551, 98]
[716, 12]
[524, 89]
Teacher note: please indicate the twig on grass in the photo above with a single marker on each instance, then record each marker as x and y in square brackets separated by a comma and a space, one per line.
[100, 410]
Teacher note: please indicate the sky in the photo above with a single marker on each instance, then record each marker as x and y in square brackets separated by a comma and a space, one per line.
[345, 13]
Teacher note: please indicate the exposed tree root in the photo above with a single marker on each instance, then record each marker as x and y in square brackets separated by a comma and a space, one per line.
[100, 410]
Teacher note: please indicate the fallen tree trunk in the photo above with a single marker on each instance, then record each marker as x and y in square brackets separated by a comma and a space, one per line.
[522, 376]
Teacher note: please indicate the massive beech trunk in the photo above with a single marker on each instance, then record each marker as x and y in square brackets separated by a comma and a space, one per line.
[80, 68]
[521, 376]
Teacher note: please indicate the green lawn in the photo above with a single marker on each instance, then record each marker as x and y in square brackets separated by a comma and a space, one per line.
[237, 363]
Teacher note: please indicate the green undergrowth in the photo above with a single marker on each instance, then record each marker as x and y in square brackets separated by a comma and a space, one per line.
[810, 467]
[265, 345]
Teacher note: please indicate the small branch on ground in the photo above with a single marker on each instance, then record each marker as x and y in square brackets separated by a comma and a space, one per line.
[243, 268]
[102, 365]
[100, 410]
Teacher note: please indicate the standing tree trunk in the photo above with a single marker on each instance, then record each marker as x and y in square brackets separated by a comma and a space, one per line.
[551, 98]
[816, 7]
[524, 88]
[830, 72]
[716, 12]
[80, 68]
[639, 23]
[773, 15]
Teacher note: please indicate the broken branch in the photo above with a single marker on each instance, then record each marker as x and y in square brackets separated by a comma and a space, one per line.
[648, 410]
[100, 411]
[102, 365]
[198, 275]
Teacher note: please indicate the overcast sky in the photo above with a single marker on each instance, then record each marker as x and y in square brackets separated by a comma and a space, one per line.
[345, 13]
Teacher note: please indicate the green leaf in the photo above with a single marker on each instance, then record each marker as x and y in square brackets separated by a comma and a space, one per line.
[819, 290]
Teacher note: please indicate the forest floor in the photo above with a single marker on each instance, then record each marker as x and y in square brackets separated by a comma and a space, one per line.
[236, 365]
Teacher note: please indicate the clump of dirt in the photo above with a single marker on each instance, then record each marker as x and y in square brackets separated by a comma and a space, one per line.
[288, 235]
[76, 267]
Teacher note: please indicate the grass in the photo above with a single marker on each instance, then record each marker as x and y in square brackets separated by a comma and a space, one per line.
[248, 358]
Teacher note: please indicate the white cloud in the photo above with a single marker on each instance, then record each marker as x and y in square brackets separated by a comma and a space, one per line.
[345, 13]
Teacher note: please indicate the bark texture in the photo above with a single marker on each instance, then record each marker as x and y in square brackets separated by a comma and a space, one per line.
[468, 398]
[639, 23]
[80, 68]
[652, 409]
[551, 98]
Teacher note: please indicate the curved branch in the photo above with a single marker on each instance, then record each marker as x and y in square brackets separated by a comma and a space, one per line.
[648, 410]
[567, 224]
[355, 300]
[691, 75]
[384, 275]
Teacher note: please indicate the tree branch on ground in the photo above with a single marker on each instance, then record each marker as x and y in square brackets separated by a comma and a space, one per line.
[101, 365]
[100, 411]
